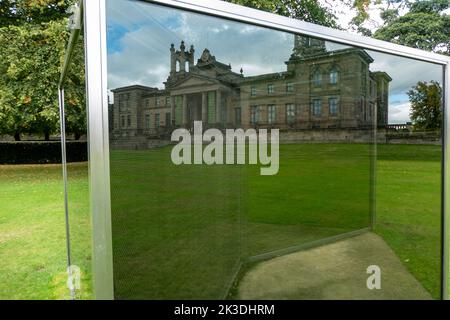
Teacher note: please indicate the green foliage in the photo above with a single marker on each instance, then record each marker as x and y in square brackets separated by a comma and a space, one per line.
[424, 26]
[306, 10]
[362, 15]
[41, 152]
[31, 56]
[426, 105]
[17, 12]
[389, 15]
[434, 6]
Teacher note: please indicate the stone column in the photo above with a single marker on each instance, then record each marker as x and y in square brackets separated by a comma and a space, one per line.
[185, 111]
[218, 106]
[172, 110]
[204, 107]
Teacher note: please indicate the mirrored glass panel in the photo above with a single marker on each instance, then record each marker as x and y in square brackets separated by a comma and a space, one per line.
[250, 163]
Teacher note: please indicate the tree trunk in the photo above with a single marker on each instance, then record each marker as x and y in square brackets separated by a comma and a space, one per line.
[17, 136]
[47, 136]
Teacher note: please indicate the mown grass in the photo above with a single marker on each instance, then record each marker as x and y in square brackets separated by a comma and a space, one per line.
[181, 231]
[409, 208]
[33, 258]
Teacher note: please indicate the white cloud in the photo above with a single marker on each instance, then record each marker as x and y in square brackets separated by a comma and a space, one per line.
[405, 72]
[399, 113]
[141, 55]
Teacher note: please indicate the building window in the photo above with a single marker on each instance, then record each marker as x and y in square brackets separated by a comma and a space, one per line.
[254, 114]
[290, 113]
[122, 121]
[237, 115]
[271, 113]
[253, 91]
[167, 119]
[147, 121]
[333, 104]
[157, 101]
[123, 101]
[157, 120]
[334, 76]
[317, 78]
[317, 107]
[129, 121]
[290, 87]
[167, 101]
[270, 88]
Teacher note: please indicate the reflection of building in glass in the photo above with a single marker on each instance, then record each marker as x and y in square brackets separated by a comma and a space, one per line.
[319, 90]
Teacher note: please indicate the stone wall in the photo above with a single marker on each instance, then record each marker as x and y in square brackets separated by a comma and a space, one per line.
[326, 135]
[359, 136]
[392, 137]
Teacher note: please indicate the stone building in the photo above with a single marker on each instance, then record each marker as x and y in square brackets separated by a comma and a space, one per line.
[319, 89]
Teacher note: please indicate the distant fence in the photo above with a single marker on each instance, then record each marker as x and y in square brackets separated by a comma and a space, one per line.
[40, 152]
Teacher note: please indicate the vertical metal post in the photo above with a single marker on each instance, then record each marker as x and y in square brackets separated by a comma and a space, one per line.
[62, 122]
[446, 185]
[99, 181]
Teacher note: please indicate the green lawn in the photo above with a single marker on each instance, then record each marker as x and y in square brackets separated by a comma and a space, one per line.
[180, 231]
[408, 208]
[32, 231]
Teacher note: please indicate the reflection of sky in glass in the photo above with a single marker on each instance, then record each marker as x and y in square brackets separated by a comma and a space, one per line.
[139, 37]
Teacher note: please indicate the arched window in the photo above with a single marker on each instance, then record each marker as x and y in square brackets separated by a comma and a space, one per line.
[186, 66]
[177, 66]
[334, 76]
[317, 78]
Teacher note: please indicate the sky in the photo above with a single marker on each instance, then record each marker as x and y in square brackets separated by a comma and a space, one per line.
[139, 37]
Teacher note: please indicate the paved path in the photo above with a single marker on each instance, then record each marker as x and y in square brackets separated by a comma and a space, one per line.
[332, 271]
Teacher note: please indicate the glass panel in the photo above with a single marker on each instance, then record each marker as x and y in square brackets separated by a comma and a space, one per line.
[78, 182]
[408, 208]
[213, 213]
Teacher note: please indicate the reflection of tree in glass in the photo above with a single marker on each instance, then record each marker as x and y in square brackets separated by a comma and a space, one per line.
[426, 100]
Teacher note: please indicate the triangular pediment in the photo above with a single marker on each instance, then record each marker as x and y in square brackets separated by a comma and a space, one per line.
[194, 81]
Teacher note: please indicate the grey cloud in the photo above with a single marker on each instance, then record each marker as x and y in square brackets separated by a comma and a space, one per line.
[145, 58]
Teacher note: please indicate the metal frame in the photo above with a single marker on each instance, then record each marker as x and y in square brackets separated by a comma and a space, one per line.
[97, 100]
[95, 38]
[446, 187]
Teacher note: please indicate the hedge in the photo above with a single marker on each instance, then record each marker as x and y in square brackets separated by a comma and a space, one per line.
[39, 152]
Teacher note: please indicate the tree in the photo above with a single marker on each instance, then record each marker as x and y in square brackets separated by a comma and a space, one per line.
[31, 56]
[306, 10]
[426, 104]
[424, 27]
[19, 12]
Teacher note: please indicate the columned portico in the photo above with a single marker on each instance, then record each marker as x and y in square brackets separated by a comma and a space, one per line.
[198, 99]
